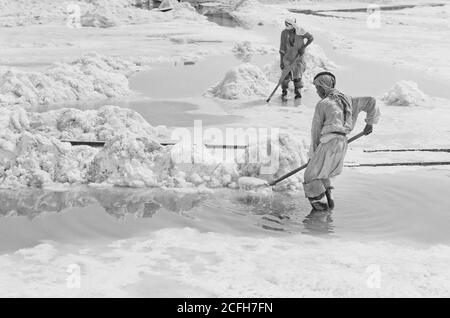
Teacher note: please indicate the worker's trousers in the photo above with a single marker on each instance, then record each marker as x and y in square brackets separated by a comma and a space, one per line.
[326, 162]
[295, 75]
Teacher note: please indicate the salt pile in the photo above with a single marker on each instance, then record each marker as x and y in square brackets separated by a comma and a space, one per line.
[33, 153]
[92, 13]
[92, 76]
[289, 155]
[250, 13]
[243, 81]
[405, 93]
[130, 162]
[99, 18]
[245, 50]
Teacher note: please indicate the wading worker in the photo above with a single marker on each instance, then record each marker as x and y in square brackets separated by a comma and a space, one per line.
[292, 48]
[334, 118]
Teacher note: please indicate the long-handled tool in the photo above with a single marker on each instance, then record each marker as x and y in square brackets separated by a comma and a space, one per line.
[287, 175]
[285, 72]
[409, 149]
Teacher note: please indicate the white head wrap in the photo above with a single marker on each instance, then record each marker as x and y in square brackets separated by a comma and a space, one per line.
[328, 82]
[298, 30]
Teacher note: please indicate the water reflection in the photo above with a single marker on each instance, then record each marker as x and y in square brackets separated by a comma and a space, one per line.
[32, 202]
[280, 212]
[319, 222]
[284, 212]
[116, 202]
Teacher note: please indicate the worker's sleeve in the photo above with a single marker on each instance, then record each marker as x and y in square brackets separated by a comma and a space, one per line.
[367, 105]
[309, 36]
[283, 43]
[316, 127]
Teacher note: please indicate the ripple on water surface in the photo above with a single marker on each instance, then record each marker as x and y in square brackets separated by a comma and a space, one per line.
[382, 207]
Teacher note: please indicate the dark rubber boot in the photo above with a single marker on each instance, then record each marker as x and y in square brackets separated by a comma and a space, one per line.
[318, 204]
[297, 88]
[329, 198]
[284, 95]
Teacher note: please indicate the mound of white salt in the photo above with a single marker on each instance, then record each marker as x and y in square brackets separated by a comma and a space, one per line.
[285, 155]
[32, 153]
[245, 50]
[405, 93]
[250, 13]
[90, 125]
[93, 13]
[92, 76]
[99, 18]
[130, 161]
[315, 59]
[243, 81]
[36, 160]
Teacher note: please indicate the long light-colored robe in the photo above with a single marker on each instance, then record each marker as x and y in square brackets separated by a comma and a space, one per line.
[328, 149]
[290, 45]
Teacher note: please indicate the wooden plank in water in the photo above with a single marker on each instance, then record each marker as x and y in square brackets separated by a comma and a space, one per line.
[395, 164]
[85, 143]
[163, 143]
[409, 149]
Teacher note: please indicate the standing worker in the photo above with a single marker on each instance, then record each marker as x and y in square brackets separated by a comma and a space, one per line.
[335, 117]
[292, 48]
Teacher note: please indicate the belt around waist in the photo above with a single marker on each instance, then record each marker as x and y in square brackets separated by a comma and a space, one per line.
[339, 133]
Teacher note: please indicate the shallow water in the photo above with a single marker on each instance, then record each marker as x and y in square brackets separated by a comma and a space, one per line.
[169, 95]
[176, 80]
[176, 113]
[388, 207]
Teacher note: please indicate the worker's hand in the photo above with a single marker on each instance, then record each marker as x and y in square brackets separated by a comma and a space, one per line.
[368, 129]
[282, 65]
[301, 51]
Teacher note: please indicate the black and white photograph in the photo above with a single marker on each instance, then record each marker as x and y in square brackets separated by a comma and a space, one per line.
[224, 149]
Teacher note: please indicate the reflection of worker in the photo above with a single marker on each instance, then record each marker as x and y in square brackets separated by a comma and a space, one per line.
[292, 48]
[335, 116]
[319, 222]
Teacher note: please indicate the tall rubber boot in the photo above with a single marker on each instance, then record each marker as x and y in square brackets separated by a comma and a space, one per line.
[318, 203]
[329, 198]
[284, 94]
[297, 88]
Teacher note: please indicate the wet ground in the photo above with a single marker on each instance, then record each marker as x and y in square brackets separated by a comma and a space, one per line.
[401, 207]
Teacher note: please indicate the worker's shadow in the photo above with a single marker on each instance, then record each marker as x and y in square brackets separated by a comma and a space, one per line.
[319, 222]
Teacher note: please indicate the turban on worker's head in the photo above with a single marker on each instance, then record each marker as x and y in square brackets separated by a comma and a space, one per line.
[327, 81]
[292, 23]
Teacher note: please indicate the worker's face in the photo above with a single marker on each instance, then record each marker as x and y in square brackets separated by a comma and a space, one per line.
[288, 26]
[320, 91]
